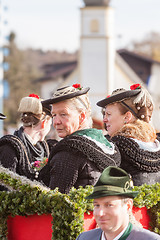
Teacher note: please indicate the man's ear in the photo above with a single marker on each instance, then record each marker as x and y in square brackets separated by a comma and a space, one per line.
[82, 117]
[129, 205]
[43, 124]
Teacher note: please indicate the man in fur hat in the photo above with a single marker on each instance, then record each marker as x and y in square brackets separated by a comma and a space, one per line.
[113, 201]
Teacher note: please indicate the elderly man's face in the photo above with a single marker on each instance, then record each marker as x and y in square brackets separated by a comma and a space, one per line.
[111, 214]
[66, 119]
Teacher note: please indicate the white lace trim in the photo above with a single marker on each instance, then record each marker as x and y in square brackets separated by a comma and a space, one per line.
[148, 146]
[105, 148]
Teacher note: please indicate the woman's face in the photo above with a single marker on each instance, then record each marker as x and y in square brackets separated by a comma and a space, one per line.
[113, 118]
[66, 119]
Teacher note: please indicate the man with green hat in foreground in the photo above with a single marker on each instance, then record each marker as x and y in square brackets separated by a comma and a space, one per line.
[113, 201]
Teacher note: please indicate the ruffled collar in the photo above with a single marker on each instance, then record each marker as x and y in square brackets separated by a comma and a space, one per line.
[148, 146]
[35, 152]
[97, 137]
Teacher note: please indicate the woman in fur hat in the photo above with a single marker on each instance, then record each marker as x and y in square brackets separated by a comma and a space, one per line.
[26, 151]
[127, 118]
[82, 153]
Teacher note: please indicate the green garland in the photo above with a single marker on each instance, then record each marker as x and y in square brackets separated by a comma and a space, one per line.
[30, 197]
[149, 196]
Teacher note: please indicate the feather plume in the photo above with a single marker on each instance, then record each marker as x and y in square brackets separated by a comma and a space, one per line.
[143, 98]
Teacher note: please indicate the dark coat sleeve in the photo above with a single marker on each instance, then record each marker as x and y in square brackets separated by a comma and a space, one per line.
[64, 171]
[8, 157]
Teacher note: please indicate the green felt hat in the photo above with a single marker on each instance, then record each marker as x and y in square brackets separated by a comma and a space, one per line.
[113, 181]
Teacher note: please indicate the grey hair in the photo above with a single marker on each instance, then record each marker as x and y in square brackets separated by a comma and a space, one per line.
[82, 103]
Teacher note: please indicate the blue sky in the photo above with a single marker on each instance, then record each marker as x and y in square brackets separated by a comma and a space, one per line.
[55, 24]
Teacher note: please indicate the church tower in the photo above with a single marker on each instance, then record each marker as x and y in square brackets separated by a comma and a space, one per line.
[97, 52]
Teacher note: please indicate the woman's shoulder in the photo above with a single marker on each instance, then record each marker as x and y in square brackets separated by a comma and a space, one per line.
[143, 157]
[136, 144]
[120, 139]
[51, 143]
[97, 153]
[10, 140]
[9, 147]
[65, 148]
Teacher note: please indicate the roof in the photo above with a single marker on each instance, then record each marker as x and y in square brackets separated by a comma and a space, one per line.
[123, 52]
[52, 71]
[140, 64]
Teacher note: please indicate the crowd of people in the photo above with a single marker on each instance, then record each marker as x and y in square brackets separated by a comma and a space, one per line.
[84, 155]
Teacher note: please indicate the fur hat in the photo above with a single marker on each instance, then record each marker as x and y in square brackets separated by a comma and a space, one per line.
[67, 92]
[31, 104]
[2, 116]
[137, 100]
[113, 181]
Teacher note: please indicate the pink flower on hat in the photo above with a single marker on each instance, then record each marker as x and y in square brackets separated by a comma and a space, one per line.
[108, 96]
[135, 86]
[34, 95]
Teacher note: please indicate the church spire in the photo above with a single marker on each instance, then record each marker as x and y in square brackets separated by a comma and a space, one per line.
[96, 2]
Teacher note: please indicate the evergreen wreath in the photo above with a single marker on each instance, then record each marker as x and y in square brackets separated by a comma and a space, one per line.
[26, 197]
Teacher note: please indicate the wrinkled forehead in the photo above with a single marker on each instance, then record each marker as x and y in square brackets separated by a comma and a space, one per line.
[63, 105]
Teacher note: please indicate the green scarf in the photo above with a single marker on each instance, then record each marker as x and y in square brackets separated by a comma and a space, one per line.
[95, 134]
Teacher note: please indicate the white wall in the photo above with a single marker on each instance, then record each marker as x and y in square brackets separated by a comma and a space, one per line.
[154, 81]
[48, 87]
[97, 53]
